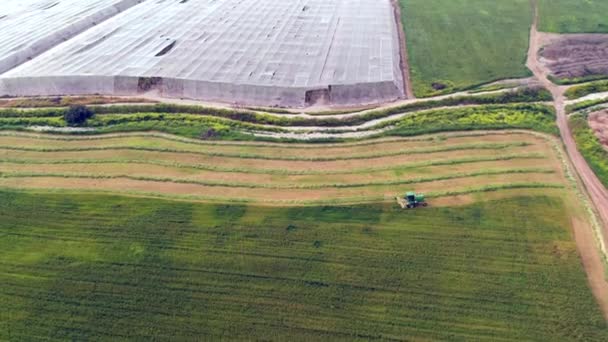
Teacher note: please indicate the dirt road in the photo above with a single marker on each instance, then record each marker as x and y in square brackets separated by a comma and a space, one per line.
[596, 190]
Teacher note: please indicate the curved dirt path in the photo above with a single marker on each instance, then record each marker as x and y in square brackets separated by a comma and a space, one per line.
[597, 192]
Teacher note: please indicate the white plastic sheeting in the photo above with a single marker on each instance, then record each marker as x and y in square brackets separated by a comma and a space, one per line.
[30, 27]
[262, 52]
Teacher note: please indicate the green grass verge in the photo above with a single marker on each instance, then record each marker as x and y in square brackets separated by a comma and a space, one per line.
[573, 16]
[575, 107]
[460, 44]
[590, 146]
[85, 267]
[520, 115]
[578, 91]
[535, 117]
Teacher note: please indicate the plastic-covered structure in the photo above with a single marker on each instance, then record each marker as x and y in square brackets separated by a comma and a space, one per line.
[258, 52]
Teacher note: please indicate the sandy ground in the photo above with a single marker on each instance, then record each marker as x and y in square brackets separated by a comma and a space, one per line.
[597, 192]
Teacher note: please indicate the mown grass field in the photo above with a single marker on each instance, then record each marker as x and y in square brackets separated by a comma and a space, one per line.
[463, 43]
[376, 170]
[85, 266]
[573, 16]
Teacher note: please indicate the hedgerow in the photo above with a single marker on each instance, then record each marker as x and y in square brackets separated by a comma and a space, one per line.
[590, 146]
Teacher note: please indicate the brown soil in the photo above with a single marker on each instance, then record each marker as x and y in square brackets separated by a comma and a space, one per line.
[598, 122]
[576, 55]
[405, 66]
[63, 101]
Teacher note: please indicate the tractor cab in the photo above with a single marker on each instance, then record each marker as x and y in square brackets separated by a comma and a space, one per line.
[414, 200]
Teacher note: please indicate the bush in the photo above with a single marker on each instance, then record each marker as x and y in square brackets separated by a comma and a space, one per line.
[77, 115]
[590, 146]
[582, 90]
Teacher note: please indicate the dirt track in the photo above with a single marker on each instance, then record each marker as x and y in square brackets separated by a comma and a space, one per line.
[405, 67]
[596, 190]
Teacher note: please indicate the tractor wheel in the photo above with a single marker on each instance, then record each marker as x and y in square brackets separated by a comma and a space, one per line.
[409, 206]
[424, 204]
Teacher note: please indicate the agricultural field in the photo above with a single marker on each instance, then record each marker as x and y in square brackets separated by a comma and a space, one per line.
[91, 266]
[459, 44]
[369, 171]
[573, 16]
[576, 59]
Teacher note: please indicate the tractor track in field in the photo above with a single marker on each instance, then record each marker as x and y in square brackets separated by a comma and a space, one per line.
[595, 189]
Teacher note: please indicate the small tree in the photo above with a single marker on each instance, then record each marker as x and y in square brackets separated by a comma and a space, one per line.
[77, 115]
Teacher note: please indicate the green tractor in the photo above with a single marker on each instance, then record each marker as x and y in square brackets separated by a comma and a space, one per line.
[414, 200]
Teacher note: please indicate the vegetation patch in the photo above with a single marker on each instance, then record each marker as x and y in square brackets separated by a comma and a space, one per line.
[536, 117]
[590, 146]
[582, 90]
[575, 107]
[568, 16]
[460, 44]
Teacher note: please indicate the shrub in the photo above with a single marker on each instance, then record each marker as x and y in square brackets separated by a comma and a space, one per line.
[77, 115]
[582, 90]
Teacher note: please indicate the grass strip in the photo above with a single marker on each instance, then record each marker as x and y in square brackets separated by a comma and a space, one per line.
[275, 186]
[334, 201]
[463, 147]
[206, 167]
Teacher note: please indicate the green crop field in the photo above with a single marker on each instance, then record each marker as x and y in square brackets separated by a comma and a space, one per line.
[573, 16]
[85, 266]
[463, 43]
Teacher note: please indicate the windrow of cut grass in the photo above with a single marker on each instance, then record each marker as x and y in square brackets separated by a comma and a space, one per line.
[275, 175]
[369, 155]
[398, 168]
[277, 185]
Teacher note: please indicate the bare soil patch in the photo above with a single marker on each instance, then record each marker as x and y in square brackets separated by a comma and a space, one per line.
[576, 55]
[598, 122]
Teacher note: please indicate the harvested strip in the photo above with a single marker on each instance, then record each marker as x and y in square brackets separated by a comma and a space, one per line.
[263, 194]
[99, 187]
[253, 149]
[516, 159]
[490, 146]
[279, 186]
[259, 164]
